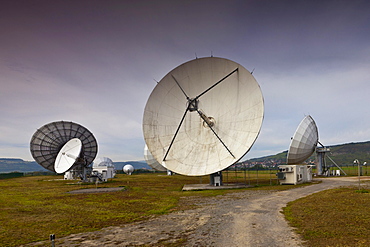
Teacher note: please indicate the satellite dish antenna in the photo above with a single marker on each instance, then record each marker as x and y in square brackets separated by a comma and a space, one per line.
[304, 141]
[152, 162]
[128, 169]
[47, 142]
[68, 155]
[103, 161]
[203, 116]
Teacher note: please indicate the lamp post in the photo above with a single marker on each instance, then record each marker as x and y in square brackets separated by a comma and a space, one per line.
[358, 165]
[364, 164]
[359, 170]
[366, 170]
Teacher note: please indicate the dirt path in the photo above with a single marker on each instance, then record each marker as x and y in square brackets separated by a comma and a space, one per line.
[257, 221]
[247, 218]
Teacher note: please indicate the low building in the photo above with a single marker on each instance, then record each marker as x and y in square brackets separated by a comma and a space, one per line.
[295, 174]
[103, 168]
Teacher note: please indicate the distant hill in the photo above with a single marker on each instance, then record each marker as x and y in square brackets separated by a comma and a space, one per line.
[135, 164]
[343, 154]
[279, 158]
[18, 165]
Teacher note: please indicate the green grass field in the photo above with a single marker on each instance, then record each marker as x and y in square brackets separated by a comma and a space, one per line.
[337, 217]
[32, 208]
[353, 170]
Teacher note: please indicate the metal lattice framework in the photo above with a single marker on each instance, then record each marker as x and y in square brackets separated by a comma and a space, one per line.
[50, 138]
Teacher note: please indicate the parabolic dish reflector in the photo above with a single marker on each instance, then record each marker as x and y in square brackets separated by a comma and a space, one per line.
[152, 162]
[68, 155]
[203, 116]
[48, 140]
[103, 162]
[304, 141]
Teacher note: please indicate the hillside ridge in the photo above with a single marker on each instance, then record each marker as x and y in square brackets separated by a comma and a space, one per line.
[343, 154]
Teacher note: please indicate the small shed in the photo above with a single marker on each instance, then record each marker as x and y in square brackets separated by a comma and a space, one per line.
[295, 174]
[104, 167]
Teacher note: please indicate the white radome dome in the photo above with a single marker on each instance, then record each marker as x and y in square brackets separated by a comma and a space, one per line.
[128, 169]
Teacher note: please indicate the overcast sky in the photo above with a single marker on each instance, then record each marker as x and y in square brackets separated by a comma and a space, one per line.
[96, 62]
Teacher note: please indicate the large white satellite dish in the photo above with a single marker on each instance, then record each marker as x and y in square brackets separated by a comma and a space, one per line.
[203, 116]
[68, 155]
[152, 162]
[304, 141]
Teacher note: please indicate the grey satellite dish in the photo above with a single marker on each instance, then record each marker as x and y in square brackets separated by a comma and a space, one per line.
[103, 162]
[304, 141]
[152, 162]
[203, 116]
[68, 155]
[47, 142]
[128, 169]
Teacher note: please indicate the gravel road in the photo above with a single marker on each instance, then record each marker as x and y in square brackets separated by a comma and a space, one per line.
[246, 218]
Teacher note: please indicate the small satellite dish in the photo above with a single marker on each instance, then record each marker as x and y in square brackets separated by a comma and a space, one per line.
[68, 155]
[47, 142]
[152, 162]
[304, 141]
[203, 116]
[128, 169]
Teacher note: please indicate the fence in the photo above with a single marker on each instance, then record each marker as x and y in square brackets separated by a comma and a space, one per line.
[251, 176]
